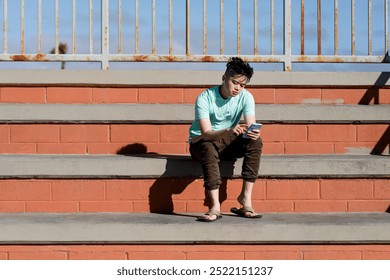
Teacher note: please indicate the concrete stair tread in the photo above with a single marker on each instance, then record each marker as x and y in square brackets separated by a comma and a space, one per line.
[157, 166]
[150, 228]
[183, 113]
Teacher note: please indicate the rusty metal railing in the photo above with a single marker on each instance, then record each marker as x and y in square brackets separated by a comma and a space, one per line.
[191, 30]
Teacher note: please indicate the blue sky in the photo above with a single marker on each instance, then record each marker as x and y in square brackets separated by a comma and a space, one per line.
[213, 43]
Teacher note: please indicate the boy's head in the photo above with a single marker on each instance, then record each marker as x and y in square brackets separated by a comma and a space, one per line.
[236, 66]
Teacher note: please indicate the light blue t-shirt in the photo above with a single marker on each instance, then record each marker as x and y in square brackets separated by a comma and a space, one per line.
[223, 113]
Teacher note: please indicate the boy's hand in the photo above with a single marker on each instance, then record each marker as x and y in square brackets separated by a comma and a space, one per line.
[239, 129]
[254, 134]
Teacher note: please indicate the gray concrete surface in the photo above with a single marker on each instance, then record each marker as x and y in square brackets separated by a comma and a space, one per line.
[185, 77]
[156, 166]
[135, 228]
[184, 113]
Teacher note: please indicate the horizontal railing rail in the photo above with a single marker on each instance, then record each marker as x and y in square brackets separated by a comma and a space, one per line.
[271, 31]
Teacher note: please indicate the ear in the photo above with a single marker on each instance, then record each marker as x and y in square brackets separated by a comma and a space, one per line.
[223, 78]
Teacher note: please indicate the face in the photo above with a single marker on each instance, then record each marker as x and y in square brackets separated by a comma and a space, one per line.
[233, 85]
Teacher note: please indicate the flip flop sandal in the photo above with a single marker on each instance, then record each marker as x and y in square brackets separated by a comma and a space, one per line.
[242, 212]
[206, 217]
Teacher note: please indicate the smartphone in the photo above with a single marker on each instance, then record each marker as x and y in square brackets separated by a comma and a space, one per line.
[252, 127]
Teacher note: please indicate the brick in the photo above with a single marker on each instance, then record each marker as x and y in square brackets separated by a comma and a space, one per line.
[297, 95]
[309, 148]
[190, 94]
[376, 255]
[128, 189]
[174, 133]
[108, 148]
[382, 189]
[78, 190]
[369, 206]
[161, 95]
[12, 207]
[34, 133]
[320, 206]
[283, 133]
[346, 189]
[52, 207]
[216, 255]
[61, 148]
[371, 133]
[115, 95]
[18, 148]
[3, 256]
[84, 133]
[168, 148]
[273, 255]
[69, 95]
[263, 95]
[156, 255]
[106, 206]
[21, 190]
[273, 148]
[135, 133]
[276, 206]
[23, 95]
[354, 148]
[292, 189]
[97, 255]
[331, 133]
[332, 255]
[38, 255]
[343, 96]
[4, 134]
[384, 96]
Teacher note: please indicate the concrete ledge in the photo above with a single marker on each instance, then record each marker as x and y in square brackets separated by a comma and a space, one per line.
[142, 228]
[188, 78]
[184, 113]
[160, 166]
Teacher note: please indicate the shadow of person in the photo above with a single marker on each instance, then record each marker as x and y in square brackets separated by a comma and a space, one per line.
[180, 171]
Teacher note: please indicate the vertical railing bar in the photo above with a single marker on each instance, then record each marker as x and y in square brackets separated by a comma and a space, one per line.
[22, 27]
[170, 28]
[105, 35]
[120, 27]
[353, 47]
[256, 26]
[387, 27]
[336, 27]
[56, 48]
[302, 27]
[222, 27]
[91, 26]
[5, 27]
[136, 27]
[319, 27]
[238, 27]
[369, 27]
[272, 27]
[74, 26]
[154, 27]
[39, 26]
[188, 27]
[204, 27]
[287, 35]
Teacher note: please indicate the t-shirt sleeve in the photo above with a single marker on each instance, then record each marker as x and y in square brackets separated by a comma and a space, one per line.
[249, 107]
[201, 108]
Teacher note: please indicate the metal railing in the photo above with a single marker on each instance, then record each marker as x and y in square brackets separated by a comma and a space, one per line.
[260, 31]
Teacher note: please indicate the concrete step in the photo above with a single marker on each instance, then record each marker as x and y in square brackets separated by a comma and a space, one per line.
[158, 166]
[183, 113]
[142, 228]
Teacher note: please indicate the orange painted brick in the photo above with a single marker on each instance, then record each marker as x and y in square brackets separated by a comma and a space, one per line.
[23, 95]
[216, 255]
[268, 206]
[347, 189]
[156, 255]
[297, 95]
[52, 207]
[161, 95]
[309, 148]
[273, 148]
[106, 206]
[334, 133]
[78, 190]
[273, 255]
[21, 190]
[382, 189]
[190, 94]
[347, 96]
[320, 206]
[354, 147]
[61, 148]
[18, 148]
[3, 256]
[129, 189]
[167, 148]
[174, 133]
[108, 148]
[332, 255]
[85, 133]
[369, 206]
[115, 95]
[143, 206]
[263, 95]
[371, 133]
[93, 255]
[135, 133]
[4, 134]
[376, 255]
[34, 133]
[38, 255]
[293, 189]
[69, 95]
[11, 207]
[282, 133]
[384, 96]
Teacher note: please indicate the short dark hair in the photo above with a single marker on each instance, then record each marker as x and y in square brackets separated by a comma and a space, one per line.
[236, 66]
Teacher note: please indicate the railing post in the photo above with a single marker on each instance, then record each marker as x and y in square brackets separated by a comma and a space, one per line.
[287, 35]
[105, 34]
